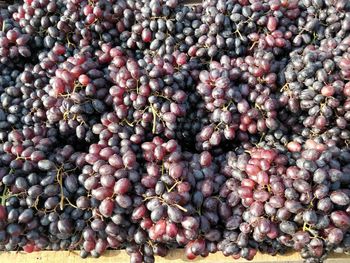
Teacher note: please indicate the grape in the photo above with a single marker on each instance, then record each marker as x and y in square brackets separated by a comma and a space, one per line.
[189, 223]
[175, 214]
[340, 219]
[335, 236]
[340, 198]
[26, 216]
[65, 226]
[2, 213]
[45, 165]
[106, 207]
[159, 125]
[288, 227]
[122, 186]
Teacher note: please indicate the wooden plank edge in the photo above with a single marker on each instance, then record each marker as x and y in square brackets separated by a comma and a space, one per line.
[174, 256]
[191, 2]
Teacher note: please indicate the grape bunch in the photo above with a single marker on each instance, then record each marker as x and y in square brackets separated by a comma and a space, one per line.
[321, 20]
[153, 125]
[316, 91]
[239, 94]
[14, 42]
[39, 186]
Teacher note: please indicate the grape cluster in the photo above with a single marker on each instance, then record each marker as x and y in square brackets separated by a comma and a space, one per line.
[316, 90]
[239, 94]
[39, 184]
[320, 20]
[14, 42]
[151, 125]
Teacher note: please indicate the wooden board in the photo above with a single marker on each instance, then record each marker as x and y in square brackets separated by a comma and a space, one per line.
[192, 2]
[120, 256]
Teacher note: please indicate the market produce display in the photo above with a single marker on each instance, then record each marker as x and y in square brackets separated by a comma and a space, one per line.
[149, 125]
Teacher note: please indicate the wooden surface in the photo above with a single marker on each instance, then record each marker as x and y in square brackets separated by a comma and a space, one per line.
[120, 256]
[176, 256]
[191, 2]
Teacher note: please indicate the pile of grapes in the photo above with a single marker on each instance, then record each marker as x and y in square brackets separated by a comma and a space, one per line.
[149, 125]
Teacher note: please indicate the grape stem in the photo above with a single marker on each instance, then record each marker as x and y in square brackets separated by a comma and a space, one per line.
[181, 208]
[162, 200]
[3, 26]
[4, 196]
[154, 119]
[70, 203]
[162, 96]
[174, 185]
[69, 43]
[268, 187]
[254, 43]
[59, 180]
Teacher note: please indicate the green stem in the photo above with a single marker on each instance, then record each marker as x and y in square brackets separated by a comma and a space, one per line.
[4, 196]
